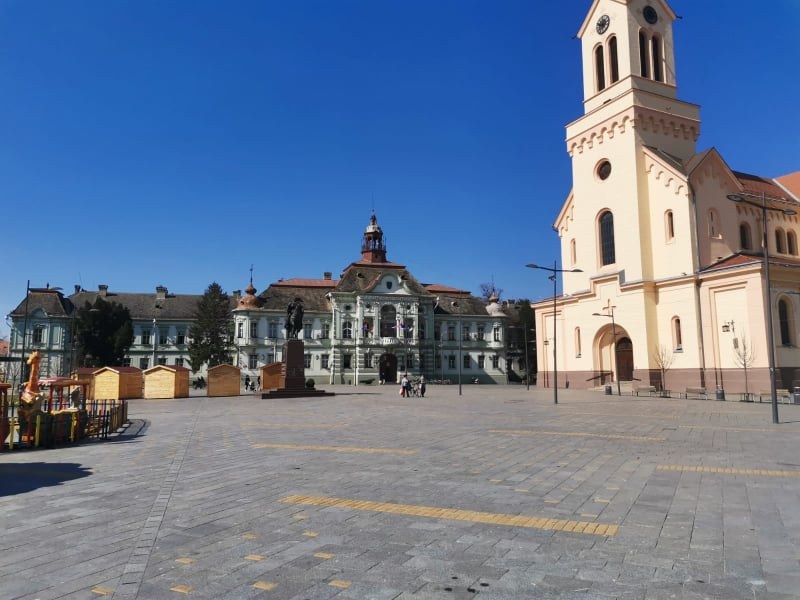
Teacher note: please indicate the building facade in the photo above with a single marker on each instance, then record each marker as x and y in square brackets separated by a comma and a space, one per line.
[374, 323]
[669, 276]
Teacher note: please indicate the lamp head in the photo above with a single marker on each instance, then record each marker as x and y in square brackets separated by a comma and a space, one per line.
[532, 266]
[736, 198]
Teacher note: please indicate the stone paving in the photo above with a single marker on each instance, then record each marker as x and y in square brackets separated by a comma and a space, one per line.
[498, 493]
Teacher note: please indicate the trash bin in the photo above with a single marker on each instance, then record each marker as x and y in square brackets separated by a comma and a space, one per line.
[720, 393]
[608, 390]
[796, 395]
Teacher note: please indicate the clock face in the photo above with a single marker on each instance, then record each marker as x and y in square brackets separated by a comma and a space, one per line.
[602, 24]
[650, 15]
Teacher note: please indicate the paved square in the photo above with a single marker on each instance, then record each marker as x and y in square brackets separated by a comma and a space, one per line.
[496, 494]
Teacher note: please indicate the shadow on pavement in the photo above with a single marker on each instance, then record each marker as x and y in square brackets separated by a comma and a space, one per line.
[136, 428]
[19, 478]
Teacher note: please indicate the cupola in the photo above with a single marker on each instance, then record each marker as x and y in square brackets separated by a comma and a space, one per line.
[373, 246]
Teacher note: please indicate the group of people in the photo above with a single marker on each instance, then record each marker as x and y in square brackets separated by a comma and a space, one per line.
[199, 383]
[250, 385]
[410, 388]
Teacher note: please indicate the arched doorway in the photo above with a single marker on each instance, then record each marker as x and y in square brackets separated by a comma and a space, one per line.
[388, 368]
[613, 360]
[625, 359]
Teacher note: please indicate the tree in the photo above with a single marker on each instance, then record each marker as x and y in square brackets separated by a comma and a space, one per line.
[212, 329]
[103, 333]
[663, 358]
[526, 324]
[745, 355]
[490, 289]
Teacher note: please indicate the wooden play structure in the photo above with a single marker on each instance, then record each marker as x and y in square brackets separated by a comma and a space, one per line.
[166, 381]
[117, 383]
[224, 380]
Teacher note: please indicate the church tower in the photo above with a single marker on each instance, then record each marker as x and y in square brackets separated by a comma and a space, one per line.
[632, 117]
[373, 247]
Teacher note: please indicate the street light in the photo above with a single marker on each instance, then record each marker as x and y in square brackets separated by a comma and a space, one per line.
[614, 336]
[742, 199]
[554, 270]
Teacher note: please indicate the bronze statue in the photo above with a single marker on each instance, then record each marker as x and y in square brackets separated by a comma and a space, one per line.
[294, 319]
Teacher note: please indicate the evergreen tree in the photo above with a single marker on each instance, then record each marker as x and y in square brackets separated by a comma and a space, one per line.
[212, 329]
[103, 333]
[527, 331]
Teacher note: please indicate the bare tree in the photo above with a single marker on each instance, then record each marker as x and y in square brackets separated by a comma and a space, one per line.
[745, 356]
[490, 289]
[662, 357]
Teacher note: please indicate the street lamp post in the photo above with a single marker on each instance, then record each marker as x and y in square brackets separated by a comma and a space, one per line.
[614, 336]
[554, 270]
[742, 199]
[155, 333]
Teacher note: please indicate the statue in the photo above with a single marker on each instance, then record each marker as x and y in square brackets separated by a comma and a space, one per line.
[294, 319]
[31, 398]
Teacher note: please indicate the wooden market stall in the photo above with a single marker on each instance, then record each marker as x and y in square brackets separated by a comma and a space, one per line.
[166, 381]
[86, 375]
[224, 380]
[271, 376]
[117, 383]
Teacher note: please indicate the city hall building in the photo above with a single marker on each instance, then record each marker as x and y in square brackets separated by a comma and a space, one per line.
[662, 243]
[373, 323]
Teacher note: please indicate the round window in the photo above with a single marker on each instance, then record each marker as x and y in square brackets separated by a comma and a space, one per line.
[604, 170]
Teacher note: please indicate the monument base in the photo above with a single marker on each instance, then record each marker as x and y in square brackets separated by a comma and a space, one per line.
[292, 381]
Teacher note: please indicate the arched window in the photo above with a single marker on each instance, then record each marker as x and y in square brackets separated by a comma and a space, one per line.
[677, 335]
[644, 59]
[745, 239]
[600, 68]
[791, 243]
[608, 255]
[658, 72]
[713, 227]
[669, 224]
[577, 342]
[613, 59]
[786, 321]
[347, 330]
[780, 241]
[573, 251]
[388, 326]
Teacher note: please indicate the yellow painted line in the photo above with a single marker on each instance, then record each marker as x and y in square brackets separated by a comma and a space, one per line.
[609, 436]
[103, 591]
[601, 501]
[552, 501]
[299, 517]
[294, 425]
[589, 515]
[265, 585]
[310, 533]
[324, 555]
[495, 480]
[449, 513]
[249, 536]
[735, 428]
[523, 490]
[254, 557]
[729, 471]
[181, 589]
[338, 583]
[334, 448]
[184, 561]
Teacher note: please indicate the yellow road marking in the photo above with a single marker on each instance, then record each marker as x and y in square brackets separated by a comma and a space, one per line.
[103, 591]
[184, 561]
[609, 436]
[254, 557]
[454, 514]
[249, 536]
[735, 428]
[729, 471]
[181, 589]
[294, 425]
[334, 448]
[310, 533]
[324, 555]
[265, 585]
[338, 583]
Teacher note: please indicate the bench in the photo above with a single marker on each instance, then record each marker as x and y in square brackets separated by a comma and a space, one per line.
[650, 390]
[696, 392]
[783, 395]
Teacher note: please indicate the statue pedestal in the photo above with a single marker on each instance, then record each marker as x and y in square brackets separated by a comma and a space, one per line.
[292, 382]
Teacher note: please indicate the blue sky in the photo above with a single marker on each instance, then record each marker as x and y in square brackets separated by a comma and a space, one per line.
[147, 143]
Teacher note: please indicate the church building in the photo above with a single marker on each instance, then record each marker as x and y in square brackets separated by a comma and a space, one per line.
[661, 244]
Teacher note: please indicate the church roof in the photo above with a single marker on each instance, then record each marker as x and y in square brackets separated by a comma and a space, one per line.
[741, 259]
[791, 183]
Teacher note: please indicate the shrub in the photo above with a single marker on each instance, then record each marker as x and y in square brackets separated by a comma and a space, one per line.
[310, 383]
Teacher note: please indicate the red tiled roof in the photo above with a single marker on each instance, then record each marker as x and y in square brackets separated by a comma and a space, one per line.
[383, 265]
[299, 282]
[737, 260]
[791, 182]
[445, 289]
[753, 184]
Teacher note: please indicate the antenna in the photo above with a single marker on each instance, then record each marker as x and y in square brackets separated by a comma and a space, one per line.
[251, 273]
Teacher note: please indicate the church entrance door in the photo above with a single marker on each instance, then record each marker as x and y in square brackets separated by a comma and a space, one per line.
[625, 359]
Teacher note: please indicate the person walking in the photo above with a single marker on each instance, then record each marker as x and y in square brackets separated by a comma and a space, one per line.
[404, 386]
[247, 383]
[422, 386]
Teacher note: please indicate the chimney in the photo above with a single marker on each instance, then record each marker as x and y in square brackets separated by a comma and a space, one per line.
[102, 290]
[327, 275]
[77, 289]
[161, 293]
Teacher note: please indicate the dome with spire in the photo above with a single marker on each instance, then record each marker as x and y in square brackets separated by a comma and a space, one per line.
[250, 300]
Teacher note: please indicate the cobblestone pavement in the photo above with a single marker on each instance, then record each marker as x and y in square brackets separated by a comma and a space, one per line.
[498, 493]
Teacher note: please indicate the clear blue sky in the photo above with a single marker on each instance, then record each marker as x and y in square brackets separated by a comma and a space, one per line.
[148, 143]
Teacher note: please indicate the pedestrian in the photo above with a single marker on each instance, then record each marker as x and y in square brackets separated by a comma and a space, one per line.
[404, 386]
[258, 382]
[247, 383]
[422, 386]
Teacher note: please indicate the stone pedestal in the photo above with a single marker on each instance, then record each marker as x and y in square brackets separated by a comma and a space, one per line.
[292, 381]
